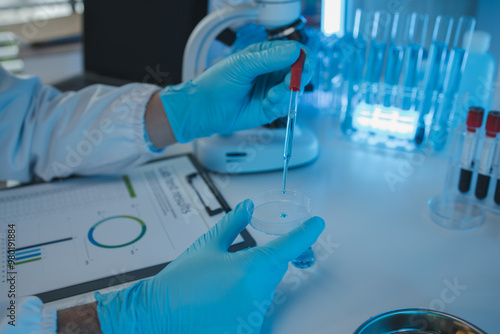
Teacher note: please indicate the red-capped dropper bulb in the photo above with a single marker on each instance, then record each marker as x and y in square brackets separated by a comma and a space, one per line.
[493, 124]
[297, 72]
[475, 118]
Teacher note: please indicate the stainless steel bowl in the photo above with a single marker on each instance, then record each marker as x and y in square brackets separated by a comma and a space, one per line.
[417, 321]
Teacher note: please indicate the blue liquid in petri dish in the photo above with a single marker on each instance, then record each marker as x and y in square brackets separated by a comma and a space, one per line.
[304, 260]
[292, 214]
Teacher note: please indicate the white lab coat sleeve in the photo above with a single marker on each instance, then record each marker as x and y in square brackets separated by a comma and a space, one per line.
[29, 316]
[98, 130]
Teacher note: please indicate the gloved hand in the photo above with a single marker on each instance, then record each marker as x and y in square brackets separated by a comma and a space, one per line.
[243, 91]
[207, 289]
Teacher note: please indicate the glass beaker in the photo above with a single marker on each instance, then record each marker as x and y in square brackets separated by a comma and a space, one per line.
[277, 213]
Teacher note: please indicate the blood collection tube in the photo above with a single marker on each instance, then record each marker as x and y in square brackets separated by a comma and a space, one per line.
[474, 122]
[496, 198]
[488, 154]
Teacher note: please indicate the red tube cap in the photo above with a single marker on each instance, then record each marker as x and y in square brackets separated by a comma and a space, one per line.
[297, 72]
[475, 118]
[493, 123]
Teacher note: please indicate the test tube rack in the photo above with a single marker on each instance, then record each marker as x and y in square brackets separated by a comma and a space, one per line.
[459, 207]
[402, 116]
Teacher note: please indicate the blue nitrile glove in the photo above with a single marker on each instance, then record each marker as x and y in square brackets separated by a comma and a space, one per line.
[243, 91]
[207, 289]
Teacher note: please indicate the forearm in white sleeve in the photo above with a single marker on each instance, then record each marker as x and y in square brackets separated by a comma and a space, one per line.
[98, 130]
[27, 316]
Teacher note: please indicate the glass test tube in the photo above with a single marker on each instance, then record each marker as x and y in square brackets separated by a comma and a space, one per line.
[474, 122]
[458, 54]
[496, 198]
[437, 52]
[436, 63]
[395, 54]
[487, 154]
[378, 42]
[353, 54]
[353, 49]
[454, 69]
[414, 55]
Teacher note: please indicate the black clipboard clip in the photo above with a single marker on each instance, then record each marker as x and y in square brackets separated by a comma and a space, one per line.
[189, 179]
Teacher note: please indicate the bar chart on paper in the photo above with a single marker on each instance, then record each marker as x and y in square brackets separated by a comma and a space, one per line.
[86, 229]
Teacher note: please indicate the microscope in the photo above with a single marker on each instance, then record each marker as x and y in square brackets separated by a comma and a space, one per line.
[259, 149]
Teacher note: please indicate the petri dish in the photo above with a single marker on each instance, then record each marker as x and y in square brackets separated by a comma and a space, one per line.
[456, 213]
[276, 213]
[417, 321]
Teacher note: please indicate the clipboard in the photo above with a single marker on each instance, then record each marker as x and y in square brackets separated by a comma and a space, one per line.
[88, 233]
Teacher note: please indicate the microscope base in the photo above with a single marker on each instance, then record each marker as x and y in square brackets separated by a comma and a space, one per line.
[255, 150]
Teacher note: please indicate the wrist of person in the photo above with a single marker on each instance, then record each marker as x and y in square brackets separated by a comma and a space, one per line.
[178, 102]
[158, 129]
[79, 319]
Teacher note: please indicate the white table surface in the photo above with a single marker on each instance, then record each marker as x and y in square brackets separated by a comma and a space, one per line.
[380, 251]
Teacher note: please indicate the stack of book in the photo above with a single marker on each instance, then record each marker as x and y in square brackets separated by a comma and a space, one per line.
[9, 53]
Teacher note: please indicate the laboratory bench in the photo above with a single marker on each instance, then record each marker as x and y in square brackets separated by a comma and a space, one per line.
[380, 250]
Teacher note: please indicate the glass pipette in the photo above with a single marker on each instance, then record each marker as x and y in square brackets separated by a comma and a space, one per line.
[292, 113]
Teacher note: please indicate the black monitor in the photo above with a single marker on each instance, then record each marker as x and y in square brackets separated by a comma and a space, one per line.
[136, 41]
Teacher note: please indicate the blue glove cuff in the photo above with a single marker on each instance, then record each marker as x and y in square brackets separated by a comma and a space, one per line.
[116, 310]
[176, 100]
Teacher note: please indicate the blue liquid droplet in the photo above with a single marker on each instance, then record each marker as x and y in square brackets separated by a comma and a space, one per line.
[283, 215]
